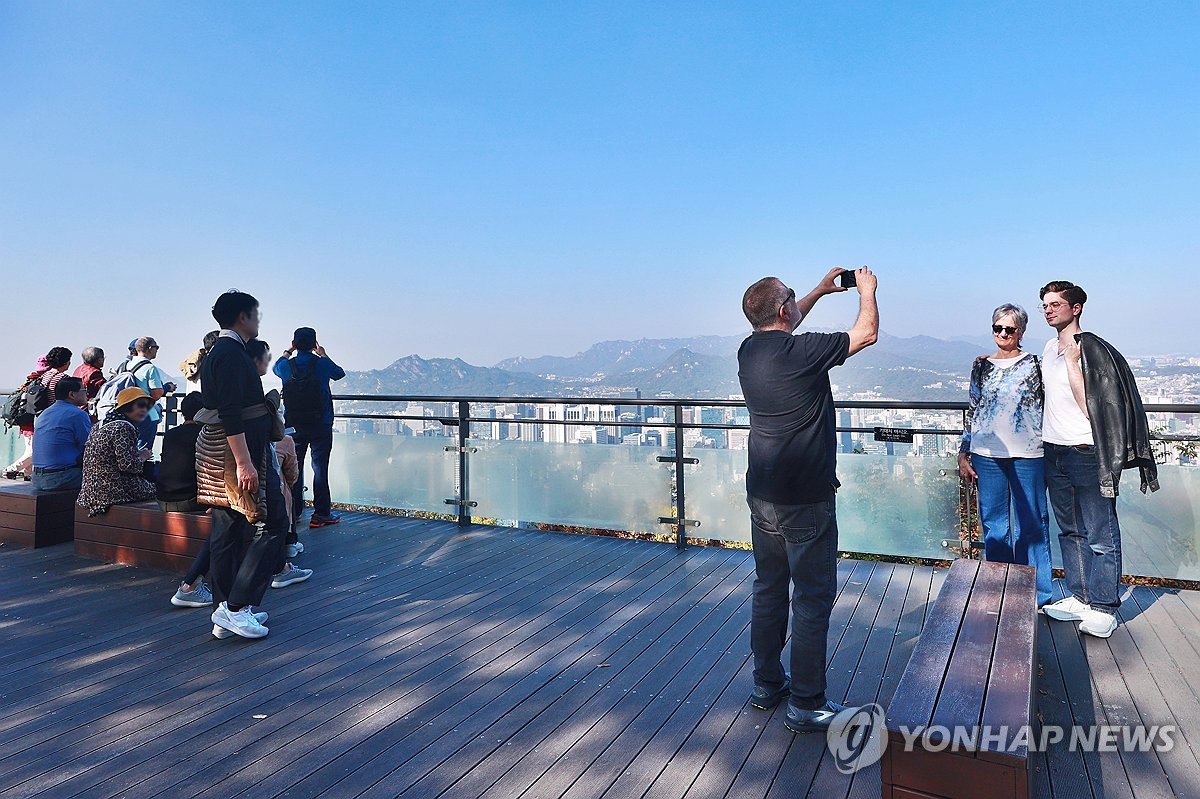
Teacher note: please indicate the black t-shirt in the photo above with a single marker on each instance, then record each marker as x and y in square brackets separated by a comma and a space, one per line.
[177, 473]
[785, 380]
[229, 383]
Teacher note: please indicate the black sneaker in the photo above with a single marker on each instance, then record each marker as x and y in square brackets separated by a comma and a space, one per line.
[765, 698]
[798, 720]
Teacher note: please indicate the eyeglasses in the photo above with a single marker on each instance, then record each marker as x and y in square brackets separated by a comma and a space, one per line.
[998, 329]
[791, 296]
[1053, 306]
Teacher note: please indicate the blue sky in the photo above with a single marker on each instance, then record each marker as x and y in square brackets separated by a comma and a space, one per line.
[494, 179]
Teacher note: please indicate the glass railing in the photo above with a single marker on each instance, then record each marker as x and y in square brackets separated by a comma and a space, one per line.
[12, 445]
[611, 464]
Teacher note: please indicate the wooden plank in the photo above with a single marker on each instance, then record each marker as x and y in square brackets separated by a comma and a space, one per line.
[129, 556]
[759, 749]
[521, 729]
[1067, 773]
[917, 694]
[44, 522]
[194, 691]
[865, 684]
[1106, 774]
[147, 516]
[556, 736]
[24, 498]
[1009, 701]
[396, 597]
[145, 540]
[339, 741]
[960, 703]
[954, 775]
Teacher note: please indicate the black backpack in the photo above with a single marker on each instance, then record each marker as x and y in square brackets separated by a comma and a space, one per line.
[23, 406]
[303, 400]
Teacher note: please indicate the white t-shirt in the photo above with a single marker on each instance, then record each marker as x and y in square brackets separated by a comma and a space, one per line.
[1063, 423]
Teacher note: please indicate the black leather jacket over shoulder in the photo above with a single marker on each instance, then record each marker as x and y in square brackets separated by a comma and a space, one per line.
[1119, 427]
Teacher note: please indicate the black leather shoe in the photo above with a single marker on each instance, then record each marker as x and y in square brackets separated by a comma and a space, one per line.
[765, 698]
[798, 720]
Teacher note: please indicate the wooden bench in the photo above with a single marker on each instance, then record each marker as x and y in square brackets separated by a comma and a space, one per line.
[140, 534]
[974, 667]
[32, 518]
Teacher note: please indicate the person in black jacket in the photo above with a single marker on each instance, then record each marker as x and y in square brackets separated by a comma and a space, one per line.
[1093, 426]
[233, 396]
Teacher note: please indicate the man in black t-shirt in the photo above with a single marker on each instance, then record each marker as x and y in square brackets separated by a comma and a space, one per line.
[790, 486]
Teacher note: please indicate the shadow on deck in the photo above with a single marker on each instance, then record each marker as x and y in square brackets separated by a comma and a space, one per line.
[424, 660]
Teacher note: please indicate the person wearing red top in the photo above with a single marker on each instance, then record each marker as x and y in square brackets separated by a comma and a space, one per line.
[91, 372]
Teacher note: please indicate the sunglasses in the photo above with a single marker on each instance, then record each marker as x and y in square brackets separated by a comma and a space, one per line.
[998, 329]
[791, 295]
[142, 404]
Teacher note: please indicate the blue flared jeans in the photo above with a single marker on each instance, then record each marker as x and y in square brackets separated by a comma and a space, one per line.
[1012, 509]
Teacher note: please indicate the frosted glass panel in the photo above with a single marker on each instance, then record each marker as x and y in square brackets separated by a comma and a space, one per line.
[887, 504]
[404, 472]
[12, 446]
[897, 505]
[715, 493]
[585, 485]
[1159, 536]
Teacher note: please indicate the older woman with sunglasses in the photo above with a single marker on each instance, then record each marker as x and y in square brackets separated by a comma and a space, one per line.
[112, 460]
[1002, 450]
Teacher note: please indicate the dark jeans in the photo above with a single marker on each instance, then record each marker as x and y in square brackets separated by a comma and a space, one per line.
[70, 479]
[320, 438]
[796, 545]
[243, 555]
[1016, 484]
[1091, 536]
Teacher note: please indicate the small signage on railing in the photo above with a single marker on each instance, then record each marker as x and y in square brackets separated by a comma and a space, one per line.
[898, 435]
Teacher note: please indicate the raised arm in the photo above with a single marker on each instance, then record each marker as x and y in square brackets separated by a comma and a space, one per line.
[826, 286]
[866, 327]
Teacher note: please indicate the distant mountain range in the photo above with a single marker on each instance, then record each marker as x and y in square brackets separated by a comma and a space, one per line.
[913, 369]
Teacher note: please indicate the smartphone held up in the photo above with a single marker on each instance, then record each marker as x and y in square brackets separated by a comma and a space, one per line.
[847, 279]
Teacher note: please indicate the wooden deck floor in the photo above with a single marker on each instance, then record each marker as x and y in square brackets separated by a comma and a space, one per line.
[423, 660]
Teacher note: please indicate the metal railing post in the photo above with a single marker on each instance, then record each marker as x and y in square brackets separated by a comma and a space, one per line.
[680, 519]
[681, 495]
[464, 464]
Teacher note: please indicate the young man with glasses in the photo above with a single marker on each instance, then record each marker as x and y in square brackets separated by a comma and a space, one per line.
[1085, 450]
[791, 485]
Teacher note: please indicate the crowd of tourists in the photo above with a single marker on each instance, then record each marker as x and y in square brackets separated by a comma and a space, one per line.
[239, 453]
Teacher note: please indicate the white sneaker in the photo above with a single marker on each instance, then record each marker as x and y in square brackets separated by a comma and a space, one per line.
[221, 633]
[241, 622]
[1098, 623]
[1069, 609]
[294, 549]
